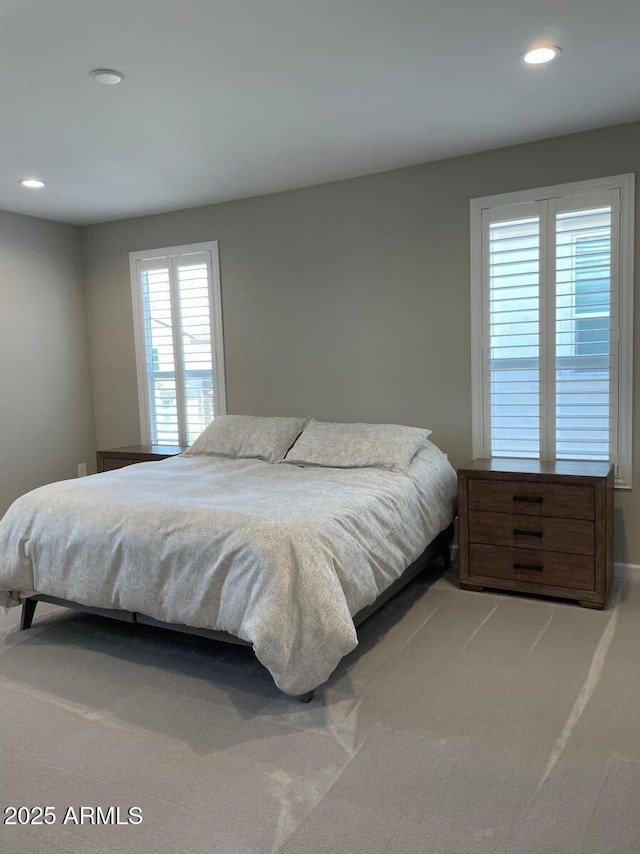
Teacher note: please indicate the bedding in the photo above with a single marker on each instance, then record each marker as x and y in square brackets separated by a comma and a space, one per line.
[386, 446]
[275, 554]
[266, 438]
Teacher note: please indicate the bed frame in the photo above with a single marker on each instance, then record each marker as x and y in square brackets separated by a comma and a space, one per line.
[440, 546]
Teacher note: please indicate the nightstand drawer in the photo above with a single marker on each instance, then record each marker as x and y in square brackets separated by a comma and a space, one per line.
[544, 533]
[533, 499]
[556, 569]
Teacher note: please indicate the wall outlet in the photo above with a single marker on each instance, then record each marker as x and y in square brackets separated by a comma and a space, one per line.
[82, 469]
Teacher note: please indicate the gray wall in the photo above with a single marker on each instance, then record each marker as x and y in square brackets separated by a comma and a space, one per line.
[346, 301]
[46, 420]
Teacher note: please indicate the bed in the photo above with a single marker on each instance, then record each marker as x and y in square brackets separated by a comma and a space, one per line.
[280, 551]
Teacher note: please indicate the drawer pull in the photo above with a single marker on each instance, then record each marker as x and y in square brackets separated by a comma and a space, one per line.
[528, 499]
[519, 532]
[536, 567]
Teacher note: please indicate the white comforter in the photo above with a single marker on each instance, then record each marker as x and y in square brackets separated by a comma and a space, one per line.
[278, 555]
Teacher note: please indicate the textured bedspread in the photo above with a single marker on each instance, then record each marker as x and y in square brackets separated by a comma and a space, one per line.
[278, 555]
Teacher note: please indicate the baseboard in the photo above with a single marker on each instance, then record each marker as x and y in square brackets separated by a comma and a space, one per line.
[627, 570]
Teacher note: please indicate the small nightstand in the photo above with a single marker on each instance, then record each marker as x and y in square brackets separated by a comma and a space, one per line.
[117, 458]
[537, 527]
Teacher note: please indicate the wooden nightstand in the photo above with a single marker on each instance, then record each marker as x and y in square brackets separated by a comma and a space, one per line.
[117, 458]
[537, 527]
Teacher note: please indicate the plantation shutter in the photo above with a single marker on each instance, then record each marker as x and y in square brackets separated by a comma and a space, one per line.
[177, 354]
[549, 347]
[514, 333]
[159, 351]
[586, 354]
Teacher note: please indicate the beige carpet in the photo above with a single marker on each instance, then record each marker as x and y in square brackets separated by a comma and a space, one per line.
[464, 722]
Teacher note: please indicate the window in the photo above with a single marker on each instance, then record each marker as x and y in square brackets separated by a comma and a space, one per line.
[551, 295]
[592, 256]
[178, 329]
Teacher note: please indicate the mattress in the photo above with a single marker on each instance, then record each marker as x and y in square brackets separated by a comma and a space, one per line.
[279, 555]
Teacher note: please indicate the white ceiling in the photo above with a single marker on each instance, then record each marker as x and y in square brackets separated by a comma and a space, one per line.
[231, 98]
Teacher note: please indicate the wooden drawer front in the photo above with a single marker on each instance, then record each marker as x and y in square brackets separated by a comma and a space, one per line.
[111, 463]
[556, 569]
[544, 533]
[532, 499]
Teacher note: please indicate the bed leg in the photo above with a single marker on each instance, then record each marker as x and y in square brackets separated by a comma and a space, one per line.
[306, 698]
[446, 555]
[28, 610]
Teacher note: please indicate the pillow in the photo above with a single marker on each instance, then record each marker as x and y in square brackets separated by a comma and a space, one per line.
[267, 439]
[385, 446]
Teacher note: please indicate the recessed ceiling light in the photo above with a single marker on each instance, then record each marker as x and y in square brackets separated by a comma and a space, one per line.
[540, 55]
[34, 183]
[106, 76]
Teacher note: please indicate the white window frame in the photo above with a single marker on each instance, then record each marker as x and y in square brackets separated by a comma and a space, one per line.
[621, 310]
[215, 314]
